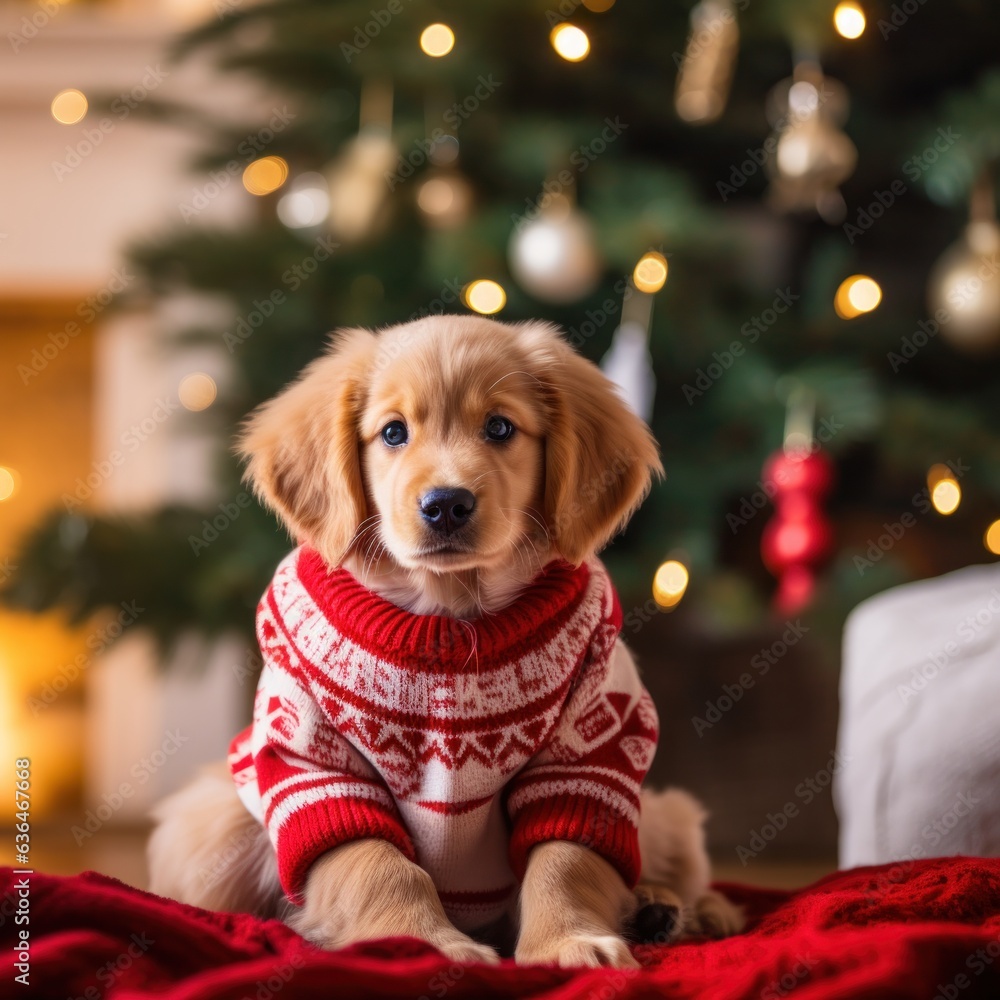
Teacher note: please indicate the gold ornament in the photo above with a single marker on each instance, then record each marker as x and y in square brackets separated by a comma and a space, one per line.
[965, 283]
[709, 58]
[812, 156]
[554, 256]
[359, 194]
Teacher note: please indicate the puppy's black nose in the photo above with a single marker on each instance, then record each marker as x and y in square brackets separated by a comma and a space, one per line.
[447, 510]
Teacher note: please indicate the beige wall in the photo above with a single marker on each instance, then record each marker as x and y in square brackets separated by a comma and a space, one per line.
[71, 198]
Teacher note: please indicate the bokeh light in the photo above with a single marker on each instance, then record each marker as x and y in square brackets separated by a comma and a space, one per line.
[437, 40]
[306, 203]
[570, 42]
[856, 295]
[992, 538]
[670, 583]
[69, 106]
[265, 175]
[197, 391]
[8, 484]
[485, 296]
[849, 19]
[650, 273]
[946, 496]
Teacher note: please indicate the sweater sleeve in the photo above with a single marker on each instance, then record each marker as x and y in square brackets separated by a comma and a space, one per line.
[316, 791]
[584, 785]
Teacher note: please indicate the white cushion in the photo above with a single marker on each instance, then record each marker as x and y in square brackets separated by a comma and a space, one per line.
[919, 737]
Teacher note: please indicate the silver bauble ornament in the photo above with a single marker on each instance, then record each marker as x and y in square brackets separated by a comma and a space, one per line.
[554, 257]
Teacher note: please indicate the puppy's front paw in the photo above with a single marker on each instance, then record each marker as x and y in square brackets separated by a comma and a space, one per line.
[716, 916]
[591, 950]
[460, 948]
[658, 918]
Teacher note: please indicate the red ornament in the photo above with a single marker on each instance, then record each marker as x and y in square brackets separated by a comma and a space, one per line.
[799, 538]
[808, 472]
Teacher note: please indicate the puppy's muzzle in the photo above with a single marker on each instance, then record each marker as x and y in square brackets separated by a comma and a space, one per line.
[446, 511]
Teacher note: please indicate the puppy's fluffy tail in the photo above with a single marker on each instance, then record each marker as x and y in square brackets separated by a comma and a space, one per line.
[207, 850]
[672, 842]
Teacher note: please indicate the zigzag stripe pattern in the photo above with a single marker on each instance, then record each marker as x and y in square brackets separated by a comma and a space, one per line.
[462, 743]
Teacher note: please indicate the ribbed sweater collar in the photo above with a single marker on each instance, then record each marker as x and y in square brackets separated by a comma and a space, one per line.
[422, 642]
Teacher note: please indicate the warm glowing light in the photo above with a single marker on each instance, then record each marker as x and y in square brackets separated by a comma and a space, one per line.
[650, 273]
[946, 496]
[436, 196]
[7, 484]
[598, 6]
[669, 583]
[936, 473]
[570, 42]
[484, 296]
[849, 19]
[856, 295]
[437, 40]
[307, 203]
[265, 175]
[992, 538]
[69, 107]
[197, 391]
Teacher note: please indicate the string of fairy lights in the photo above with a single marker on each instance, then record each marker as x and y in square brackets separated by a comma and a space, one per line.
[306, 201]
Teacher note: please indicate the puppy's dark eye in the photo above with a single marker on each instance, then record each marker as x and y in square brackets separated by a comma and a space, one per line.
[394, 433]
[498, 429]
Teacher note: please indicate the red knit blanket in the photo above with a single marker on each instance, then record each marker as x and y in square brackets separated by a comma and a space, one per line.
[927, 929]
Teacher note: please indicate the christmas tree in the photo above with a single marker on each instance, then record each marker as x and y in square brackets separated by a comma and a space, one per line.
[793, 184]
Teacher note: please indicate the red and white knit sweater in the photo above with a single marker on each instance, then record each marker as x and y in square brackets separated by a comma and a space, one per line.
[464, 743]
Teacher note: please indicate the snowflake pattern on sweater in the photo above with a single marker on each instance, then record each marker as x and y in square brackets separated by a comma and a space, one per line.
[464, 743]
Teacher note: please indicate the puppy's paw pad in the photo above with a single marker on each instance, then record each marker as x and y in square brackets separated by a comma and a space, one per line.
[589, 950]
[656, 923]
[715, 916]
[463, 949]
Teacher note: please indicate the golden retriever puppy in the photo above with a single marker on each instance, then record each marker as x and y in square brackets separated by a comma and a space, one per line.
[446, 713]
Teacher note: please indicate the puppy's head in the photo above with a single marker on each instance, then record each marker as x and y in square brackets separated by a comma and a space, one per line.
[451, 443]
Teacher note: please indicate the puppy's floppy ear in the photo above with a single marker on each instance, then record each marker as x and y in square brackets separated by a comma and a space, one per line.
[302, 448]
[600, 458]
